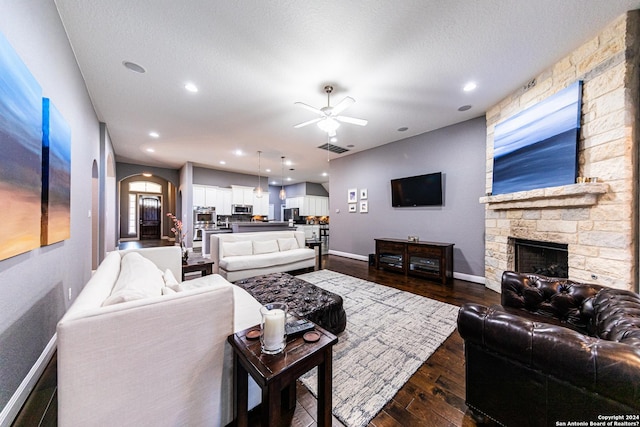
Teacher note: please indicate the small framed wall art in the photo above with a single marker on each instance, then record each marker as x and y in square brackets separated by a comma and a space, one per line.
[352, 195]
[364, 206]
[364, 194]
[353, 207]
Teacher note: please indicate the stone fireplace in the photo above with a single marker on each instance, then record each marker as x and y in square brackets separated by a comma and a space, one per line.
[597, 220]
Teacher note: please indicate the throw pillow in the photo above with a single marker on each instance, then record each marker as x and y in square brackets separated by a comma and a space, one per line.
[169, 278]
[237, 248]
[139, 278]
[288, 244]
[265, 247]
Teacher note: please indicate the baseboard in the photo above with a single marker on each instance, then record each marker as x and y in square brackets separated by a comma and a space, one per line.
[460, 276]
[469, 278]
[349, 255]
[10, 411]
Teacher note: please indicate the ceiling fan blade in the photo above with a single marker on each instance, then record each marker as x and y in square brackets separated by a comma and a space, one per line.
[310, 108]
[352, 120]
[310, 122]
[342, 105]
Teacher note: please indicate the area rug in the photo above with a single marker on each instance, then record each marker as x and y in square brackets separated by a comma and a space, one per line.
[390, 334]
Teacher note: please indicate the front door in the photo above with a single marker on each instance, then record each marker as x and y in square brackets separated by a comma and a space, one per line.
[150, 219]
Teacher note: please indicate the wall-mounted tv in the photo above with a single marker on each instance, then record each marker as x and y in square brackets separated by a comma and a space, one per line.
[421, 190]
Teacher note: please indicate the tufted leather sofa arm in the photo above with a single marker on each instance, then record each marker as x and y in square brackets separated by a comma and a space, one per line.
[567, 301]
[611, 369]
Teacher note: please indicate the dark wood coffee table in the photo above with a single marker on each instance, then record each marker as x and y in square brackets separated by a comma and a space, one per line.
[277, 373]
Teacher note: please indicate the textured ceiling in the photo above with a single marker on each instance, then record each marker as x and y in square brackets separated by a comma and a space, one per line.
[404, 62]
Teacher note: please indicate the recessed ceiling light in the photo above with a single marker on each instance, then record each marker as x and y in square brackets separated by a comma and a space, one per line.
[403, 129]
[288, 163]
[334, 139]
[151, 150]
[350, 146]
[267, 170]
[464, 108]
[132, 66]
[289, 178]
[469, 87]
[238, 152]
[222, 162]
[324, 174]
[147, 174]
[154, 134]
[274, 182]
[191, 87]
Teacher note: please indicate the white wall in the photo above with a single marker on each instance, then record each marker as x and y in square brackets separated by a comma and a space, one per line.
[34, 286]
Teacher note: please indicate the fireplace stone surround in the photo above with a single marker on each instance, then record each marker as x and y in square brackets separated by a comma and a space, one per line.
[597, 220]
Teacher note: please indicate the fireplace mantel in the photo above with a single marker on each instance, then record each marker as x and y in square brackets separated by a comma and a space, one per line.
[565, 196]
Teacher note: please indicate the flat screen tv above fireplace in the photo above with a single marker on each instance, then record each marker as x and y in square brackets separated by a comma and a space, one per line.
[420, 190]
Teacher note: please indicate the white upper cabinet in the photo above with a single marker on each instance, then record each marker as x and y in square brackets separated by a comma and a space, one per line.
[241, 195]
[309, 205]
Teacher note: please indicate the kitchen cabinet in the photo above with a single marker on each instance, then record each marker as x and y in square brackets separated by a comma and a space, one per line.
[241, 195]
[223, 201]
[310, 231]
[204, 195]
[309, 205]
[261, 204]
[431, 260]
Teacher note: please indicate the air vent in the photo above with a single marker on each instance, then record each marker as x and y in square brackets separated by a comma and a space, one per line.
[333, 148]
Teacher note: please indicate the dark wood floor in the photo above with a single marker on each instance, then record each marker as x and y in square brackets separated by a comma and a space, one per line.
[433, 396]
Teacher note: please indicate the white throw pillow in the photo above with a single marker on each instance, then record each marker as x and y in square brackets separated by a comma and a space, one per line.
[237, 248]
[138, 278]
[169, 279]
[288, 244]
[265, 247]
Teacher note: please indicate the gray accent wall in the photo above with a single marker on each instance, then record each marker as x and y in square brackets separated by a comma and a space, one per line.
[458, 151]
[34, 286]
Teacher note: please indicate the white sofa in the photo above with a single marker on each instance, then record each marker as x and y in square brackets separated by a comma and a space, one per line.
[238, 256]
[130, 356]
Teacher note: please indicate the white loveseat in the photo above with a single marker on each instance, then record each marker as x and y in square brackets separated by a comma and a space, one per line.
[133, 351]
[238, 256]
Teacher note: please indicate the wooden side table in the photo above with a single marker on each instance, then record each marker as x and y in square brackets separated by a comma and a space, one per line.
[275, 373]
[313, 244]
[203, 265]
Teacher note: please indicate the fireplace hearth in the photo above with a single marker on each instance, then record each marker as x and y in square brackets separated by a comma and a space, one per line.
[546, 258]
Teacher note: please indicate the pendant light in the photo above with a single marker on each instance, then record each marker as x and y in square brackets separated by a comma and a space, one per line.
[259, 189]
[283, 194]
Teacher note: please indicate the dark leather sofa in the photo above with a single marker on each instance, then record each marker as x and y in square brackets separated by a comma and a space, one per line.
[555, 351]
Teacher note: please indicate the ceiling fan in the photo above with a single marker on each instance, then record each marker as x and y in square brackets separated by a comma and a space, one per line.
[329, 116]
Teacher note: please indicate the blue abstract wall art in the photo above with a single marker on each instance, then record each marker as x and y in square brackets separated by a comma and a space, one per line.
[21, 159]
[56, 175]
[538, 147]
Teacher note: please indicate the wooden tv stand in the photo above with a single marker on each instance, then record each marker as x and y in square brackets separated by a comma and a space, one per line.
[431, 260]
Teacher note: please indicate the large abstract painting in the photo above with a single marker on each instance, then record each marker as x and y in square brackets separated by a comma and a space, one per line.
[21, 159]
[56, 175]
[538, 147]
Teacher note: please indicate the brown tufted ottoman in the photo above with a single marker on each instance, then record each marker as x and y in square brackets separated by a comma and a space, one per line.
[303, 299]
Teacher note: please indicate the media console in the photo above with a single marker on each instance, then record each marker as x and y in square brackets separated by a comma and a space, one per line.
[431, 260]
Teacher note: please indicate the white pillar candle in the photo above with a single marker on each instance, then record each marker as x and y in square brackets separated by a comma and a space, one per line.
[273, 334]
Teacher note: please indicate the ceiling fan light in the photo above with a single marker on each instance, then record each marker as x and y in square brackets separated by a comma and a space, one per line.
[328, 125]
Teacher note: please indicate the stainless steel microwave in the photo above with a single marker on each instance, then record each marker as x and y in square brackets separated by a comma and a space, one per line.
[242, 209]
